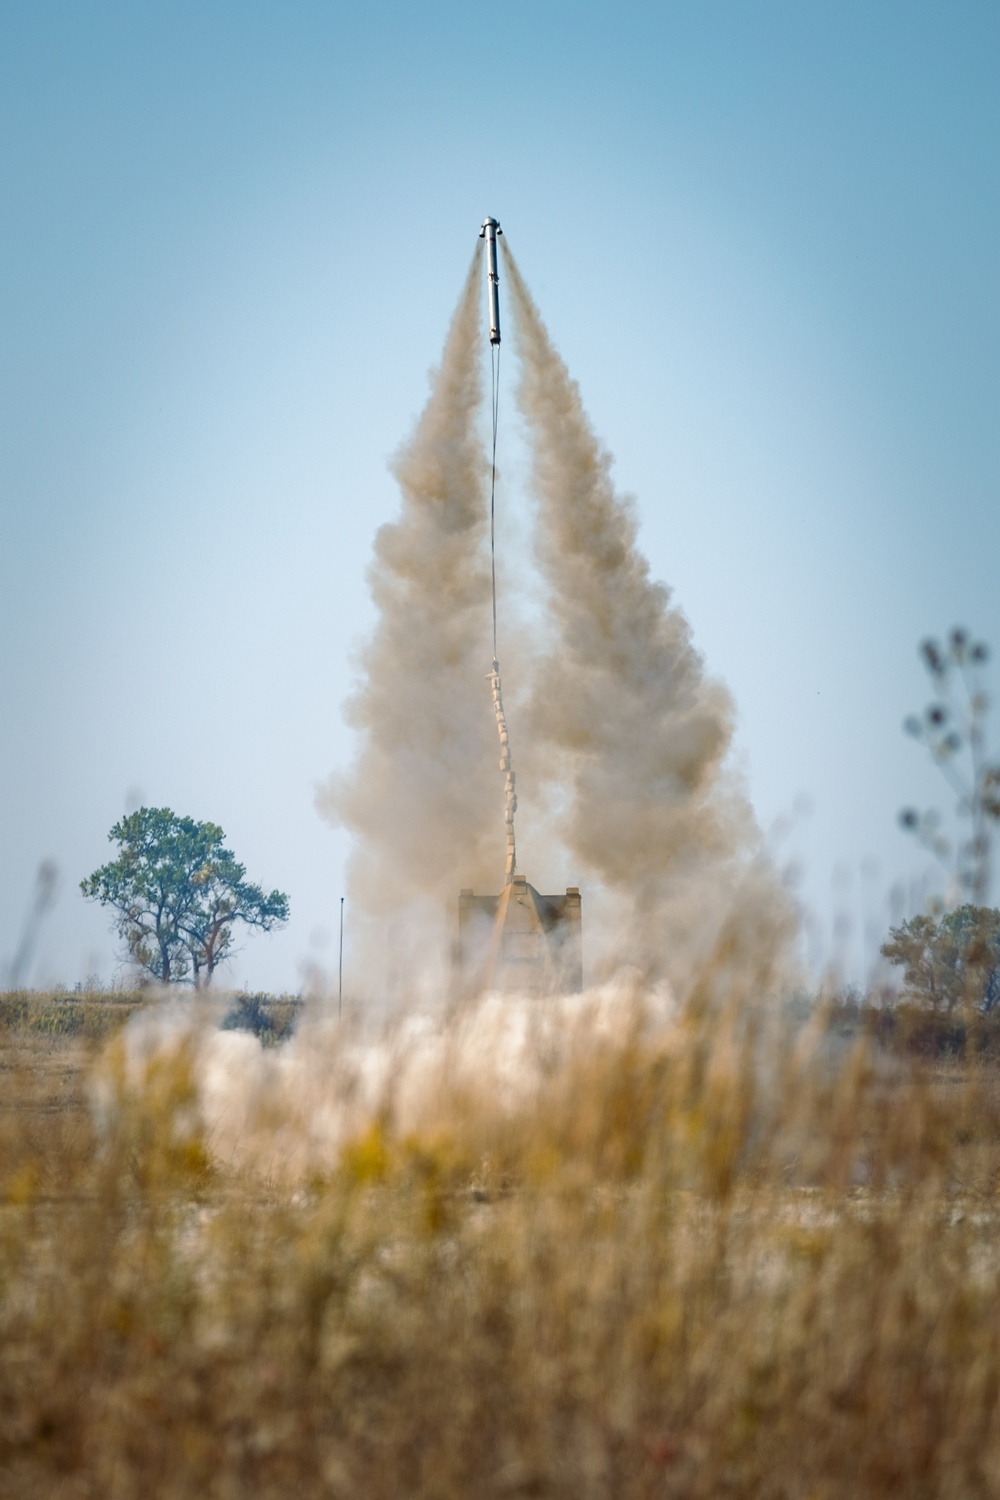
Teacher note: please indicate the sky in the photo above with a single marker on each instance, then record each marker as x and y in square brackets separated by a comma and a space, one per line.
[764, 237]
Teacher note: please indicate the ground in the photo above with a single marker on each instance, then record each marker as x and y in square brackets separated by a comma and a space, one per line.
[687, 1268]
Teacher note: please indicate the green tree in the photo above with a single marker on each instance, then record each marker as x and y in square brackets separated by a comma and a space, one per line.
[225, 898]
[178, 895]
[949, 962]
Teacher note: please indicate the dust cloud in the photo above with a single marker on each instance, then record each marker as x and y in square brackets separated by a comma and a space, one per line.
[289, 1111]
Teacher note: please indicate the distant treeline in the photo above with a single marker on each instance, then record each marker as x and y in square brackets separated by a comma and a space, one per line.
[917, 1030]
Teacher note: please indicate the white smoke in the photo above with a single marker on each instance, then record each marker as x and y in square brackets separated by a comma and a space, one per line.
[288, 1111]
[622, 721]
[624, 738]
[423, 799]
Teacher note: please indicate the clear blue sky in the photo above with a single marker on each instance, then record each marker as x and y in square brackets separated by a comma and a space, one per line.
[765, 238]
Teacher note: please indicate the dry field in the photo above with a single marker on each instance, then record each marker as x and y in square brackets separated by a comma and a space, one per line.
[715, 1263]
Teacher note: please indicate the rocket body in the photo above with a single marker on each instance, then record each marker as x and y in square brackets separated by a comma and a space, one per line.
[489, 233]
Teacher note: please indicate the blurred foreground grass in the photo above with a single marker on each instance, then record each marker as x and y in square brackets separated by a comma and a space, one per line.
[719, 1260]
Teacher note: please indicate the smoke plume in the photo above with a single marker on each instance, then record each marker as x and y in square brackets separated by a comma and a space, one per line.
[622, 737]
[622, 718]
[423, 798]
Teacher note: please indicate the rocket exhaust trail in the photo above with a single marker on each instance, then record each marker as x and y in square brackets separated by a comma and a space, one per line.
[622, 714]
[420, 798]
[625, 734]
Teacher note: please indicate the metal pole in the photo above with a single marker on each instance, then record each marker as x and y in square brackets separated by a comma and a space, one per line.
[340, 988]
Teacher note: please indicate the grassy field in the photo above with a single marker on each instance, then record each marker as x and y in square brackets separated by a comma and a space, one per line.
[695, 1260]
[96, 1015]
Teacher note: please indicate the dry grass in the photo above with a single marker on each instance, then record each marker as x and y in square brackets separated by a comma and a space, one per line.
[90, 1015]
[695, 1263]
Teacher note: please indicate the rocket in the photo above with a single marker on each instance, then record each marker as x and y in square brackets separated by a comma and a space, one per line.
[489, 233]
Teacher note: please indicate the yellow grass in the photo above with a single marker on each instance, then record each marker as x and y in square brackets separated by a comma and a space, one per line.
[703, 1260]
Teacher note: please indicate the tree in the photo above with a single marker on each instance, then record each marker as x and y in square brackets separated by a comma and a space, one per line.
[226, 897]
[951, 962]
[179, 894]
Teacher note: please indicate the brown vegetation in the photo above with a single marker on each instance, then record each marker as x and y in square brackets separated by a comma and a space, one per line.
[711, 1259]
